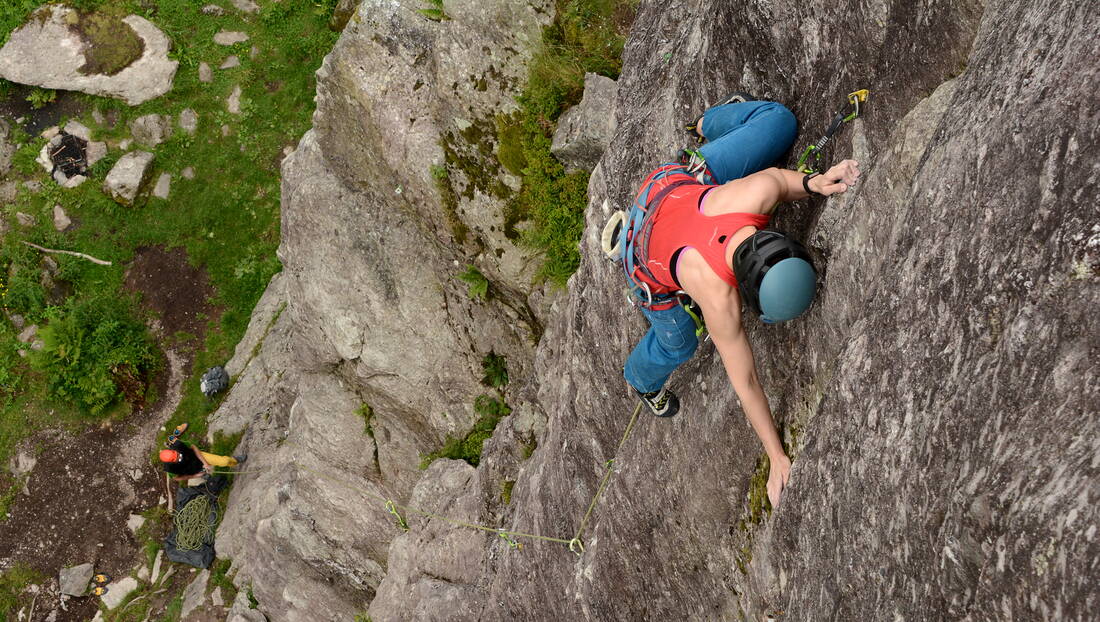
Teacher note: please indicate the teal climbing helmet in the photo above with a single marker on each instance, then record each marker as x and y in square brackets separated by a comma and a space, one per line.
[775, 275]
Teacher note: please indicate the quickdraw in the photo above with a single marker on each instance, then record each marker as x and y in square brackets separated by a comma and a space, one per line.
[815, 151]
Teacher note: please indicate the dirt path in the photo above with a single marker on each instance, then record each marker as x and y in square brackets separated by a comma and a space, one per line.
[83, 488]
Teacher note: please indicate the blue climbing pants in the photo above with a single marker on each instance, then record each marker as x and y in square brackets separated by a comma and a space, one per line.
[742, 139]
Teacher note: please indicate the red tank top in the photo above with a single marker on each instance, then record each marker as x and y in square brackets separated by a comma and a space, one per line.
[679, 223]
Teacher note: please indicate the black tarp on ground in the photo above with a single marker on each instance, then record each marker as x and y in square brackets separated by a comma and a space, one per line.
[204, 555]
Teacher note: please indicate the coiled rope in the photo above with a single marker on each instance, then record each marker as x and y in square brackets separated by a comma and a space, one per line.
[193, 528]
[575, 544]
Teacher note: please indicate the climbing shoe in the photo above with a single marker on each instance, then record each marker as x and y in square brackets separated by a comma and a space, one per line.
[101, 578]
[663, 403]
[99, 590]
[736, 97]
[175, 435]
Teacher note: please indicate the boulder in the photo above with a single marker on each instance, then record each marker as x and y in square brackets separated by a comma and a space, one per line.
[229, 37]
[74, 581]
[194, 596]
[49, 52]
[585, 130]
[128, 177]
[151, 129]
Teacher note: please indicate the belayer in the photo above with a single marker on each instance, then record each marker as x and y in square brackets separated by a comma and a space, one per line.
[697, 229]
[186, 461]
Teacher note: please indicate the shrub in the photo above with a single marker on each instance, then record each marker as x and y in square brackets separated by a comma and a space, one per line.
[95, 352]
[435, 11]
[496, 370]
[478, 284]
[39, 97]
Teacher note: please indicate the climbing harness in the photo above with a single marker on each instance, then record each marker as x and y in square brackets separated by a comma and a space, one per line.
[811, 159]
[575, 544]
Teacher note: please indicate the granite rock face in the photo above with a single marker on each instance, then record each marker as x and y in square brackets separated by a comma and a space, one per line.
[48, 52]
[585, 130]
[938, 399]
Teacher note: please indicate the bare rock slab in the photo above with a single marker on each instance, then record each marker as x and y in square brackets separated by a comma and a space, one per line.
[74, 581]
[230, 37]
[118, 591]
[241, 612]
[48, 52]
[128, 176]
[195, 594]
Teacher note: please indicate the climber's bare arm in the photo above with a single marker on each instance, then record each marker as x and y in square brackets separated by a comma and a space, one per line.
[760, 192]
[721, 306]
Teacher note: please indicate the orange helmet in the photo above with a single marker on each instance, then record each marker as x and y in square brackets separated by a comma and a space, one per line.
[169, 455]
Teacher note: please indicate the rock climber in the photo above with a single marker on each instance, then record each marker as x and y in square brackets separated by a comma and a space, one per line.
[186, 461]
[706, 240]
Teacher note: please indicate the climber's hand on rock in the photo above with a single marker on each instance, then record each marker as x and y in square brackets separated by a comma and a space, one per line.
[778, 474]
[837, 179]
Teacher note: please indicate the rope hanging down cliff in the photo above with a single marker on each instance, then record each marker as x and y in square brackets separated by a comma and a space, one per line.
[575, 544]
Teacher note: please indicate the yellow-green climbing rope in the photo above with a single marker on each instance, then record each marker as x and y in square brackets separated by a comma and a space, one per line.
[193, 524]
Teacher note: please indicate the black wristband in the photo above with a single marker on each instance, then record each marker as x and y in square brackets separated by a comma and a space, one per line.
[806, 184]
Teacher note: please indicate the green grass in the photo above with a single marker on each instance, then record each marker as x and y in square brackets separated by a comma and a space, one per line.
[12, 583]
[586, 36]
[477, 284]
[468, 448]
[226, 220]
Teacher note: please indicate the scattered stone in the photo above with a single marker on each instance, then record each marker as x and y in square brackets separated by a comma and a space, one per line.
[189, 121]
[18, 322]
[156, 565]
[151, 129]
[98, 117]
[128, 176]
[28, 334]
[188, 173]
[213, 9]
[254, 53]
[98, 617]
[95, 152]
[225, 131]
[143, 573]
[47, 51]
[68, 182]
[248, 6]
[61, 220]
[216, 597]
[125, 143]
[9, 190]
[241, 611]
[50, 132]
[135, 522]
[78, 129]
[231, 62]
[43, 158]
[206, 74]
[25, 220]
[7, 149]
[230, 37]
[234, 102]
[164, 185]
[33, 186]
[118, 591]
[37, 346]
[195, 594]
[74, 581]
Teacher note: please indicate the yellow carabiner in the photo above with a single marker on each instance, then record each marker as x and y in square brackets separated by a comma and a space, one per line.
[857, 96]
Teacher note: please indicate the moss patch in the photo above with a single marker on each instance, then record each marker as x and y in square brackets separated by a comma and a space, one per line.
[112, 45]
